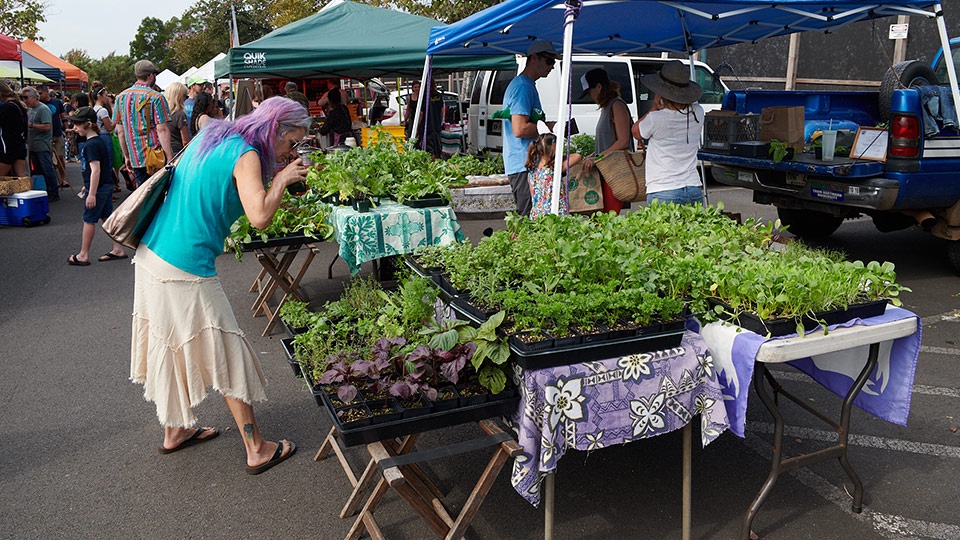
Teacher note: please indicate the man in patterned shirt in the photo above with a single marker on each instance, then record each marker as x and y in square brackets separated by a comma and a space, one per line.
[141, 115]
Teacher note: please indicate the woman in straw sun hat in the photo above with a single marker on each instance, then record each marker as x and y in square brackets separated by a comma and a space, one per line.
[673, 130]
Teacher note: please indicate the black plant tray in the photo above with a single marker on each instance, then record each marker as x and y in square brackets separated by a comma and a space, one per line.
[413, 264]
[540, 355]
[293, 330]
[278, 241]
[783, 327]
[461, 304]
[425, 202]
[425, 422]
[287, 344]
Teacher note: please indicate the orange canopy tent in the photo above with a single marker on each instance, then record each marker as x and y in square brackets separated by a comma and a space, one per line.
[75, 76]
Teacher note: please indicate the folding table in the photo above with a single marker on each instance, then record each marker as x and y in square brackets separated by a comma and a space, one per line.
[276, 256]
[394, 464]
[391, 229]
[817, 343]
[592, 405]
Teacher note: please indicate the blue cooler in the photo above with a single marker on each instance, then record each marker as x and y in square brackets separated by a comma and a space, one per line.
[25, 208]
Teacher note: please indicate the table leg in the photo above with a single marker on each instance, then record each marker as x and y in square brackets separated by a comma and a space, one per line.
[839, 450]
[775, 453]
[857, 505]
[548, 486]
[686, 520]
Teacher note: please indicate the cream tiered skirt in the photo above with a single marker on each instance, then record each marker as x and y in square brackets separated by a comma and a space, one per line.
[186, 339]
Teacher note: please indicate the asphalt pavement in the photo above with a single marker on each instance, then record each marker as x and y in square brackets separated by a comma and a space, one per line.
[78, 456]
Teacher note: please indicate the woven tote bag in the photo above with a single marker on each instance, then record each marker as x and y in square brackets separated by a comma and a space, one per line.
[623, 172]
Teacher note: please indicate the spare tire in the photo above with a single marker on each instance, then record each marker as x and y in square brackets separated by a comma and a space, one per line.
[904, 75]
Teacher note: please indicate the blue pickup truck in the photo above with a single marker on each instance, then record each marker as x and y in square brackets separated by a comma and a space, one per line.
[917, 182]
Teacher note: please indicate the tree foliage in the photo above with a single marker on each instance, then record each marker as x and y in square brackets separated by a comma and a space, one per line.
[115, 71]
[204, 29]
[284, 12]
[153, 42]
[445, 11]
[20, 18]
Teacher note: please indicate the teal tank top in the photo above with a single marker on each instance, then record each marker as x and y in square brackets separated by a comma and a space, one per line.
[203, 202]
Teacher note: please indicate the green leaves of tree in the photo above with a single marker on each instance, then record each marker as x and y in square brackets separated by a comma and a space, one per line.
[20, 18]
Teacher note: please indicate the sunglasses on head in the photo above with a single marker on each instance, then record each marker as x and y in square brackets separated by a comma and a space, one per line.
[550, 140]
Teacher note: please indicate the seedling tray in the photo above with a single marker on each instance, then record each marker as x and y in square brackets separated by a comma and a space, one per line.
[539, 356]
[364, 434]
[278, 241]
[419, 269]
[783, 327]
[287, 344]
[425, 202]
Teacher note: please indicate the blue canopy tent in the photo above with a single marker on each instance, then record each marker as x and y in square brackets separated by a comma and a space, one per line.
[636, 26]
[53, 73]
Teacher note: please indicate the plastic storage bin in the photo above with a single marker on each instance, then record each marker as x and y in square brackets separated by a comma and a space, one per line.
[25, 209]
[726, 127]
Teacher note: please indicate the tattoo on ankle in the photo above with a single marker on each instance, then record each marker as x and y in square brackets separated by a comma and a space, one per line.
[248, 430]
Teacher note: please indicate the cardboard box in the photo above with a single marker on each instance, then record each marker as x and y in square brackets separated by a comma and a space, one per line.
[24, 209]
[783, 124]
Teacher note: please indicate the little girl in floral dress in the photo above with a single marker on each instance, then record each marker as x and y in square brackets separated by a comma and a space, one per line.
[540, 156]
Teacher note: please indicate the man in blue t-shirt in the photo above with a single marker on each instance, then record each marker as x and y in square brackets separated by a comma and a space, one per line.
[523, 102]
[59, 116]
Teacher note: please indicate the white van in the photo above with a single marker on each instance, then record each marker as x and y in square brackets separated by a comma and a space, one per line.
[486, 96]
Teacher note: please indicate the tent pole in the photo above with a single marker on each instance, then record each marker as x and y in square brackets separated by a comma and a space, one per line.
[426, 71]
[233, 99]
[703, 169]
[21, 72]
[570, 17]
[947, 54]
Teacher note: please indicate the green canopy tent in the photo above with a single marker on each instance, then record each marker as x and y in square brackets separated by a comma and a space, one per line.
[347, 39]
[10, 70]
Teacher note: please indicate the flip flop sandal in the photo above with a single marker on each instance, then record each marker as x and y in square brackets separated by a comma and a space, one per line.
[275, 460]
[108, 256]
[74, 261]
[192, 441]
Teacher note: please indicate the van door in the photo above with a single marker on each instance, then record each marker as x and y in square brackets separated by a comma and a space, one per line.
[477, 113]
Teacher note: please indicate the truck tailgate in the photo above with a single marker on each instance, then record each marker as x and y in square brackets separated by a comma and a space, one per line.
[802, 164]
[844, 182]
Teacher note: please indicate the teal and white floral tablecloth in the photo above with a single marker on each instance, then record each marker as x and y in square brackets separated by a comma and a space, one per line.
[592, 405]
[391, 229]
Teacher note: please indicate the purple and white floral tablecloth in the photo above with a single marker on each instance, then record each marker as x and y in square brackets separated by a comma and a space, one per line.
[593, 405]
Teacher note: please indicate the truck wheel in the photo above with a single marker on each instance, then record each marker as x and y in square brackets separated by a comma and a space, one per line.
[904, 75]
[809, 223]
[953, 254]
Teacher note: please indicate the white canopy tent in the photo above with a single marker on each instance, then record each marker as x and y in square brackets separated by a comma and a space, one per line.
[165, 77]
[206, 71]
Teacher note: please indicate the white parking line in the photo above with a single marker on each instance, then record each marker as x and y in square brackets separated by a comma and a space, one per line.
[866, 441]
[950, 316]
[940, 350]
[782, 374]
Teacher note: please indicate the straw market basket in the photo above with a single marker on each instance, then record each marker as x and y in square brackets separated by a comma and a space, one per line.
[623, 171]
[15, 184]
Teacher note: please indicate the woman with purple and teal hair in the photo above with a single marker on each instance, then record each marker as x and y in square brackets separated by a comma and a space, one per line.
[185, 335]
